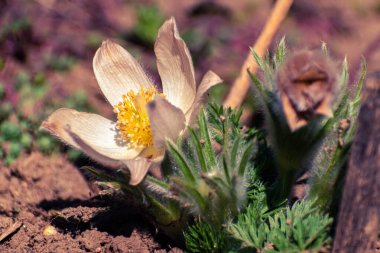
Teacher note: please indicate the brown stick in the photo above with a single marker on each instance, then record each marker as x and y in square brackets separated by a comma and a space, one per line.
[10, 231]
[240, 87]
[359, 217]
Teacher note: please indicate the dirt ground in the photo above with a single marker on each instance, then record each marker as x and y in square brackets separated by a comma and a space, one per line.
[46, 203]
[57, 211]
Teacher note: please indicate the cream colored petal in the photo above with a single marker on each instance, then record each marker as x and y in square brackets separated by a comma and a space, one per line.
[209, 80]
[175, 66]
[138, 169]
[92, 133]
[166, 121]
[117, 72]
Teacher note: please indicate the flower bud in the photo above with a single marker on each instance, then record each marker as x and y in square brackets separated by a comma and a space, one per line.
[307, 87]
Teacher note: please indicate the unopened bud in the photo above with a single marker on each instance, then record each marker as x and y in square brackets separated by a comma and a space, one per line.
[307, 86]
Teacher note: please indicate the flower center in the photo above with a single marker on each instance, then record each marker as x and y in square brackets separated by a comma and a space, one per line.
[132, 119]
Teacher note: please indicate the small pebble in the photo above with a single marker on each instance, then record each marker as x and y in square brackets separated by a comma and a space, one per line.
[50, 230]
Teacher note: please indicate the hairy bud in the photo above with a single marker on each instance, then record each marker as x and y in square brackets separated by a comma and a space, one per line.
[307, 86]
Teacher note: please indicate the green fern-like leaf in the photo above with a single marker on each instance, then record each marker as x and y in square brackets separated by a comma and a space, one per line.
[299, 228]
[202, 238]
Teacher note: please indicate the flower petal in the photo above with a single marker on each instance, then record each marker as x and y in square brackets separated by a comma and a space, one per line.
[92, 133]
[209, 80]
[175, 66]
[166, 121]
[117, 72]
[138, 169]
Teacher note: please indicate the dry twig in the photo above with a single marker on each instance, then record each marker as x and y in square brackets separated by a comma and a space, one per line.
[240, 87]
[10, 231]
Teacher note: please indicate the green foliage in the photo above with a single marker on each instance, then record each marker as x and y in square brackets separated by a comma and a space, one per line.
[291, 150]
[202, 238]
[73, 154]
[5, 110]
[10, 131]
[260, 228]
[20, 121]
[14, 27]
[149, 20]
[328, 167]
[45, 144]
[2, 63]
[2, 91]
[10, 134]
[59, 62]
[78, 100]
[217, 93]
[26, 140]
[14, 150]
[94, 39]
[299, 228]
[213, 183]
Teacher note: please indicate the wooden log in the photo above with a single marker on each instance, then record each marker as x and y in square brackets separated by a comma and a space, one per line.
[358, 224]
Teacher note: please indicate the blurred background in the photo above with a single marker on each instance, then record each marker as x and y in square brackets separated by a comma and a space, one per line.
[47, 46]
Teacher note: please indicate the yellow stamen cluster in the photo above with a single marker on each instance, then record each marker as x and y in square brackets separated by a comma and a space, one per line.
[132, 118]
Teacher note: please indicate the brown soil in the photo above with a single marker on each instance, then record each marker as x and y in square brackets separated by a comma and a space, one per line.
[39, 192]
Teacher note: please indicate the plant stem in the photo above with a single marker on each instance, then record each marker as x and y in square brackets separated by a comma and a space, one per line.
[283, 186]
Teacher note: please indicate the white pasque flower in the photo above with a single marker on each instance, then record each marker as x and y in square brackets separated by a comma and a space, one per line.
[145, 117]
